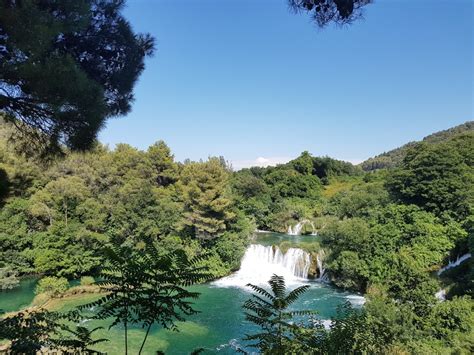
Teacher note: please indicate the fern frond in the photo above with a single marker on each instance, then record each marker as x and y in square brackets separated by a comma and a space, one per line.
[295, 294]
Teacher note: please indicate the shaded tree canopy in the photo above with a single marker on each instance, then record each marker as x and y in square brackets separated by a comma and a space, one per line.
[326, 11]
[438, 177]
[65, 67]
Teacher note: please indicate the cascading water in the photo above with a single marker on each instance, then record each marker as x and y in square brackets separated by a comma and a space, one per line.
[296, 230]
[457, 262]
[319, 262]
[261, 262]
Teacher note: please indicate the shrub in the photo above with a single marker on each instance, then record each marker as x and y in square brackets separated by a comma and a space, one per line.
[8, 278]
[53, 286]
[87, 280]
[452, 316]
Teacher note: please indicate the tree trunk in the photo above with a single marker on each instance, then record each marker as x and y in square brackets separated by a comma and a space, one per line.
[126, 337]
[144, 339]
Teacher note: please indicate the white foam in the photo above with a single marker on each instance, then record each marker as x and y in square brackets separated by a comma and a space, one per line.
[441, 295]
[261, 262]
[296, 230]
[327, 323]
[356, 300]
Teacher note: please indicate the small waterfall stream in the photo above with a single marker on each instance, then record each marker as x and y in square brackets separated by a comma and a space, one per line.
[457, 262]
[260, 262]
[296, 230]
[323, 277]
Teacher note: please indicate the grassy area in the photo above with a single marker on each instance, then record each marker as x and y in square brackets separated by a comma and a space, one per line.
[340, 184]
[309, 246]
[70, 302]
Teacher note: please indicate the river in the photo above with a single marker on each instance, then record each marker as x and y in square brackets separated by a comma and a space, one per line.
[220, 326]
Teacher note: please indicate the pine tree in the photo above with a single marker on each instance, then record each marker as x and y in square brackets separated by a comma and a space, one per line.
[65, 67]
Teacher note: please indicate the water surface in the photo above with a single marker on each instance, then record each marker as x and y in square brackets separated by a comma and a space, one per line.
[18, 297]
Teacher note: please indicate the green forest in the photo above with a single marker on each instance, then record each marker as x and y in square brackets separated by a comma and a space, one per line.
[385, 232]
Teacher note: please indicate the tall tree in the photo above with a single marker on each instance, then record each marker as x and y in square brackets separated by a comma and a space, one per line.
[205, 190]
[65, 67]
[162, 161]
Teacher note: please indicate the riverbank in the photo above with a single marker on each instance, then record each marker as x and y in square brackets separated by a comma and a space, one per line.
[69, 300]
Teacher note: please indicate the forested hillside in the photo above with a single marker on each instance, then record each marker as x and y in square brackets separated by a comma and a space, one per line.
[56, 217]
[394, 157]
[278, 197]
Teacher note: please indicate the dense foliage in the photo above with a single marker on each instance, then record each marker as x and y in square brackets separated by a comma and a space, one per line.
[52, 285]
[438, 177]
[55, 219]
[278, 197]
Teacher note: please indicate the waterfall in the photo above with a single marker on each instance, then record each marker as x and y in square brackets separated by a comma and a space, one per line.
[296, 230]
[441, 295]
[356, 300]
[261, 262]
[319, 262]
[451, 264]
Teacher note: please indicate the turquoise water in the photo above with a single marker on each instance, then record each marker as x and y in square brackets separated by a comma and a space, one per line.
[19, 297]
[223, 317]
[219, 327]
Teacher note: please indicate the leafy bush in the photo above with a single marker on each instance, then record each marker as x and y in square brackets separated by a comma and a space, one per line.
[453, 316]
[214, 264]
[8, 278]
[87, 280]
[52, 285]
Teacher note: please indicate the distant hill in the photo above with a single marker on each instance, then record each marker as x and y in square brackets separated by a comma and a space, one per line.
[393, 157]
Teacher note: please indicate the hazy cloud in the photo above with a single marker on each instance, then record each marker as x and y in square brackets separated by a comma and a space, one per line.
[260, 161]
[355, 161]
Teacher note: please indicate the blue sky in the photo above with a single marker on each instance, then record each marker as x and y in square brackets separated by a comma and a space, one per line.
[249, 80]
